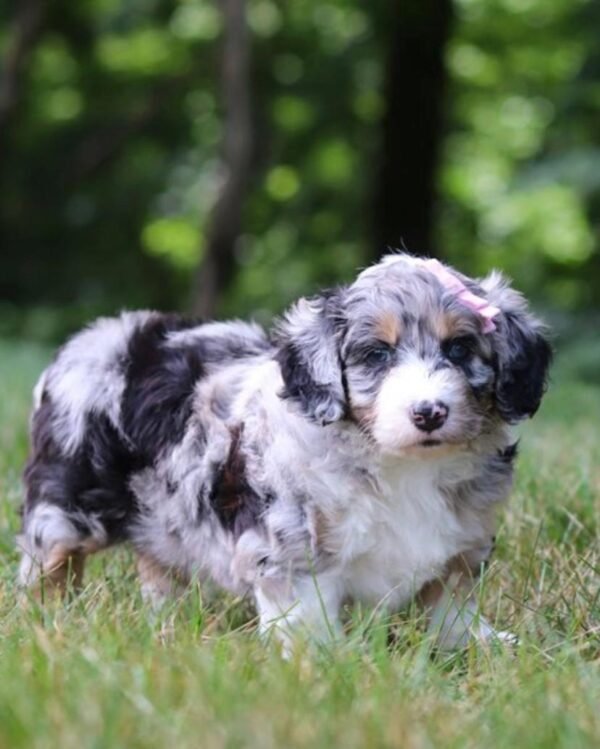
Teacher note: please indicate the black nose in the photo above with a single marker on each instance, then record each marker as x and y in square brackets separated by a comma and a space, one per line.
[429, 415]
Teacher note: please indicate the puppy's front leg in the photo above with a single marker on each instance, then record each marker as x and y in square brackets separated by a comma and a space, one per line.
[305, 607]
[158, 584]
[452, 610]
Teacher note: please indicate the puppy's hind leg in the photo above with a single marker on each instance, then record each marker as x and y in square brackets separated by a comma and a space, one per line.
[53, 549]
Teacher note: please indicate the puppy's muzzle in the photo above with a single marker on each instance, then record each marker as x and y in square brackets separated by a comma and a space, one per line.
[429, 415]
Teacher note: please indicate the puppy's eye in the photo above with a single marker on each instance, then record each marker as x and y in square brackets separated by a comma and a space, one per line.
[378, 355]
[458, 350]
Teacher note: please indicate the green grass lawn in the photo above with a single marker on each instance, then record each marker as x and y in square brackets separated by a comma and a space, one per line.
[102, 671]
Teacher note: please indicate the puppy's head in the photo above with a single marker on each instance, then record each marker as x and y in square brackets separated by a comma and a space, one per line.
[400, 353]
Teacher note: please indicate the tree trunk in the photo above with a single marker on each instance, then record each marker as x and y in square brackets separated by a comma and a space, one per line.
[412, 127]
[218, 263]
[24, 35]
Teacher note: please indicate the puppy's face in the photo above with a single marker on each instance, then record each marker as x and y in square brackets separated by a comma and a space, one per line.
[419, 372]
[398, 353]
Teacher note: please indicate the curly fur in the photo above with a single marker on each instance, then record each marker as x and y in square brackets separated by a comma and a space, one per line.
[291, 466]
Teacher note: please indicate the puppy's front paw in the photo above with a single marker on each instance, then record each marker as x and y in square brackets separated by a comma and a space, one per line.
[505, 638]
[458, 627]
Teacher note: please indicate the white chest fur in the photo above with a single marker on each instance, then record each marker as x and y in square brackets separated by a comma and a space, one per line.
[392, 535]
[382, 526]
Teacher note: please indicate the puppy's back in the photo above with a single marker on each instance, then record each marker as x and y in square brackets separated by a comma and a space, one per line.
[116, 395]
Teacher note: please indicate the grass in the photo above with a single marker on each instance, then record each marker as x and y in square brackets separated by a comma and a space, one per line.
[102, 671]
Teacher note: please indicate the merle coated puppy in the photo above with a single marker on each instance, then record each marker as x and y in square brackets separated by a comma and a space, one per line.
[361, 451]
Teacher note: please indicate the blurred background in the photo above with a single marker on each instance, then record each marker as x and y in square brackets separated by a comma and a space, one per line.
[225, 157]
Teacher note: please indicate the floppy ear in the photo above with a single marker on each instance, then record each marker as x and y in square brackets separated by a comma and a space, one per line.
[309, 359]
[523, 352]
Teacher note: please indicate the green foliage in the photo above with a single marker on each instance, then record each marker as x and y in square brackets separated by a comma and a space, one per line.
[142, 52]
[518, 192]
[175, 239]
[111, 164]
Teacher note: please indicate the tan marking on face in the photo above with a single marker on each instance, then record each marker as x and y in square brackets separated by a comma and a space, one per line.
[363, 415]
[447, 325]
[388, 328]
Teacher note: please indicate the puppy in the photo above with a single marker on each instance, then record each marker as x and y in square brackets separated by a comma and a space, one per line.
[361, 451]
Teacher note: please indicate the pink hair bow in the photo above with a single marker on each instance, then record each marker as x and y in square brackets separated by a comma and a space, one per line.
[451, 282]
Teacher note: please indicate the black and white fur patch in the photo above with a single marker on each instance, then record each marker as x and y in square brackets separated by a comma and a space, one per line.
[353, 453]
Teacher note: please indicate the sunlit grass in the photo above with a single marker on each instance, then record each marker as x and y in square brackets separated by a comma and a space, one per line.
[102, 671]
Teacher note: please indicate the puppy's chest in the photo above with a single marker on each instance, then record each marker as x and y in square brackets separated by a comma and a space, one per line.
[389, 543]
